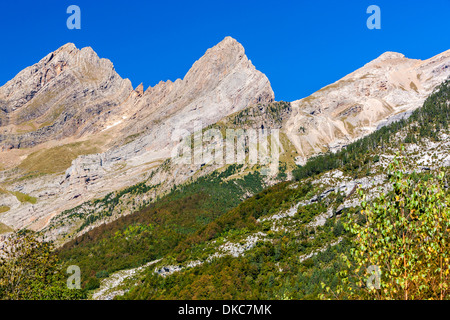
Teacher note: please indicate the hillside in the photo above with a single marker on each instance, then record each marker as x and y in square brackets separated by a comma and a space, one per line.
[87, 162]
[284, 241]
[291, 249]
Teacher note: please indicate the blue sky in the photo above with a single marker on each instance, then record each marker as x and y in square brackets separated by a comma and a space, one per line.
[300, 45]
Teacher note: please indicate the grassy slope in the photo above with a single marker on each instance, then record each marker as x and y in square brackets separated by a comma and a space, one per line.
[57, 159]
[4, 228]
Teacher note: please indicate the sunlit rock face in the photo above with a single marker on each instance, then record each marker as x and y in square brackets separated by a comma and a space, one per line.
[384, 90]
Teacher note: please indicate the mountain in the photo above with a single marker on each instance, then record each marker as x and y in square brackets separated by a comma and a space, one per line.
[286, 241]
[76, 135]
[384, 90]
[69, 93]
[72, 106]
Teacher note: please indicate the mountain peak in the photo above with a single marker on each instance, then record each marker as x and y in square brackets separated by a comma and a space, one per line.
[68, 45]
[65, 86]
[229, 42]
[390, 55]
[228, 47]
[224, 59]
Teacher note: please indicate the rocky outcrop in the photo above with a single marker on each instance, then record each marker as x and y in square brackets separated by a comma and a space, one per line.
[222, 82]
[112, 285]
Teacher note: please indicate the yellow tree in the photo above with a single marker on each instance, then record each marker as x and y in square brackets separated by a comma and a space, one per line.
[402, 244]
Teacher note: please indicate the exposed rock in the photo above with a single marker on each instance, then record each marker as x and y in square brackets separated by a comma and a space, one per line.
[383, 91]
[110, 287]
[222, 82]
[315, 252]
[70, 92]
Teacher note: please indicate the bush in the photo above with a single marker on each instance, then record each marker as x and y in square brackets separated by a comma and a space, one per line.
[102, 274]
[92, 284]
[338, 228]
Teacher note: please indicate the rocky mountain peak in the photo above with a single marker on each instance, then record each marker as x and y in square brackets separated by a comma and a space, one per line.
[56, 97]
[139, 90]
[218, 62]
[221, 82]
[228, 44]
[230, 47]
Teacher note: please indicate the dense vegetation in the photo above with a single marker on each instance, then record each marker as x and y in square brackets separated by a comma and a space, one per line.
[257, 275]
[153, 231]
[402, 249]
[30, 270]
[245, 215]
[272, 270]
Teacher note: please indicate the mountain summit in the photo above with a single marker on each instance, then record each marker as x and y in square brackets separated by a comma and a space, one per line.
[65, 94]
[384, 90]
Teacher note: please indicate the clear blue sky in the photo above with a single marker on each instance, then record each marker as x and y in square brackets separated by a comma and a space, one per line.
[300, 45]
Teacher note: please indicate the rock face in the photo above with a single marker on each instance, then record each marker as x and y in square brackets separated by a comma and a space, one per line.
[97, 101]
[68, 93]
[384, 90]
[222, 82]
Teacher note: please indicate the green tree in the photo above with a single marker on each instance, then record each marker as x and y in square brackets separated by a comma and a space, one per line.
[29, 270]
[405, 235]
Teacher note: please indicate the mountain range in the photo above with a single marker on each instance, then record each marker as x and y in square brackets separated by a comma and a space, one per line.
[81, 148]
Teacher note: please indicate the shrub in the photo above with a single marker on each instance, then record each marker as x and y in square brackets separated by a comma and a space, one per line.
[102, 274]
